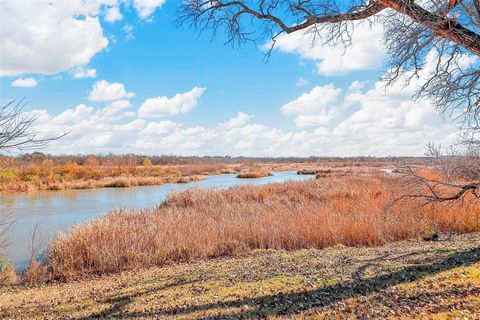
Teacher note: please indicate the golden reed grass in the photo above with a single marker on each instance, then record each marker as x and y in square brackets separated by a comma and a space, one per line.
[197, 224]
[253, 174]
[75, 176]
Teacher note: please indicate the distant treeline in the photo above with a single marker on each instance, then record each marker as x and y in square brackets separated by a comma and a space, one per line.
[136, 159]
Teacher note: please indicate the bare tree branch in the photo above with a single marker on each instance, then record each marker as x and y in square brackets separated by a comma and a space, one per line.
[458, 177]
[431, 39]
[15, 129]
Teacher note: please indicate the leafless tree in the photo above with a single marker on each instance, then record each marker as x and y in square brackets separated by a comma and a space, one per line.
[441, 34]
[434, 41]
[16, 129]
[455, 176]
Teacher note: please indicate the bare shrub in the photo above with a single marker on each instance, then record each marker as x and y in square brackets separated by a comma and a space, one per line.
[37, 272]
[8, 275]
[449, 178]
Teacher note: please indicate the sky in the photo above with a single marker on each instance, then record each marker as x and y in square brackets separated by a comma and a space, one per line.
[123, 76]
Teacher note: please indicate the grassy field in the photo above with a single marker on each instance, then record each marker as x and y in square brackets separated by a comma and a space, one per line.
[399, 280]
[198, 224]
[88, 172]
[333, 247]
[48, 176]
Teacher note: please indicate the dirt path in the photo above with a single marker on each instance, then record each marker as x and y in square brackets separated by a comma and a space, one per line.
[404, 279]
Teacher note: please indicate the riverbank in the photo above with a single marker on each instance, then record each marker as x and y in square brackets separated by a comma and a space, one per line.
[73, 176]
[59, 210]
[411, 278]
[200, 223]
[56, 173]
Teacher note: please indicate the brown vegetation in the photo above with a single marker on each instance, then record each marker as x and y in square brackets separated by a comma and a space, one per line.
[195, 224]
[410, 279]
[253, 171]
[38, 171]
[253, 174]
[47, 176]
[8, 275]
[204, 169]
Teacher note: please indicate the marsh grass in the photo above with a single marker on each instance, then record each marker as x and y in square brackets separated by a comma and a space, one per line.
[252, 171]
[253, 174]
[198, 224]
[8, 275]
[74, 176]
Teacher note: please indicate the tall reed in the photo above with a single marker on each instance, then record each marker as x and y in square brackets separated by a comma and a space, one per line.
[196, 224]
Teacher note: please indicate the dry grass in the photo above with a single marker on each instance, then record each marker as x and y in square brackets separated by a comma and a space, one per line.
[252, 171]
[253, 174]
[36, 274]
[205, 169]
[314, 171]
[16, 175]
[74, 176]
[8, 276]
[197, 224]
[401, 280]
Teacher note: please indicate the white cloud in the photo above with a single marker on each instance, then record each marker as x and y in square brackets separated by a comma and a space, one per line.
[366, 133]
[47, 37]
[71, 116]
[24, 82]
[359, 120]
[145, 8]
[80, 73]
[240, 120]
[367, 51]
[159, 128]
[128, 29]
[316, 107]
[105, 91]
[116, 108]
[301, 82]
[178, 104]
[113, 14]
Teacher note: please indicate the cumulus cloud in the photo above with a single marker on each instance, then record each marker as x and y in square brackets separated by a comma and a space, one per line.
[361, 119]
[390, 121]
[116, 109]
[52, 36]
[145, 8]
[315, 107]
[47, 37]
[301, 82]
[178, 104]
[366, 52]
[24, 82]
[113, 14]
[80, 73]
[241, 119]
[105, 91]
[369, 130]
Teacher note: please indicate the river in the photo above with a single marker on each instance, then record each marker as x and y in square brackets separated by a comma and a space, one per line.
[52, 211]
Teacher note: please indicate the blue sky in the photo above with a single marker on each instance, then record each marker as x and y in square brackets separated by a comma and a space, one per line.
[122, 76]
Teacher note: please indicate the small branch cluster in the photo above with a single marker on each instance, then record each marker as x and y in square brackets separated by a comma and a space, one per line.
[435, 41]
[16, 129]
[453, 178]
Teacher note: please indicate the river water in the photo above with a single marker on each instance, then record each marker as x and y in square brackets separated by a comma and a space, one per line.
[51, 211]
